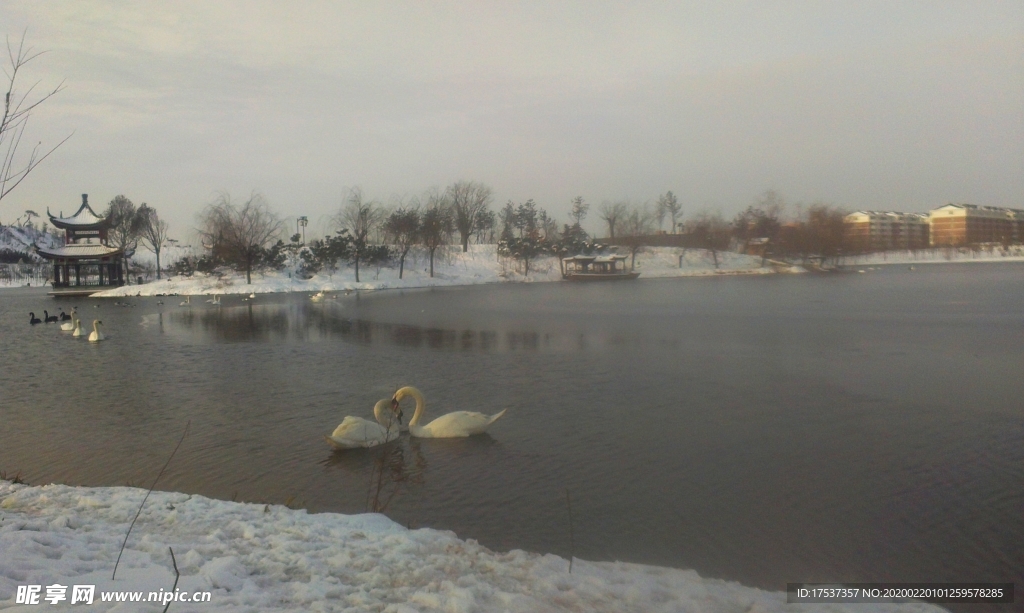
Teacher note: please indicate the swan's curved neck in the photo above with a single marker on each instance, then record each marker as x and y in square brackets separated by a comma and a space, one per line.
[421, 404]
[383, 414]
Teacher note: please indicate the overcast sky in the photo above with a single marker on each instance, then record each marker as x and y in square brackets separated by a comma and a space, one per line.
[879, 105]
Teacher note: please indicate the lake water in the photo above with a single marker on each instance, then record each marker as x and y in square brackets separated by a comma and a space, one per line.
[853, 427]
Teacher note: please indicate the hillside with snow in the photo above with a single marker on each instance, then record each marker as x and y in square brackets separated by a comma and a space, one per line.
[17, 243]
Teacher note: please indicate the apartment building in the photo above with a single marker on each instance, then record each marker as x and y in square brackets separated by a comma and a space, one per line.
[866, 231]
[969, 224]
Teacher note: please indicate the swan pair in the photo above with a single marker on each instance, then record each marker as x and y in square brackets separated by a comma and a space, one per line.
[355, 432]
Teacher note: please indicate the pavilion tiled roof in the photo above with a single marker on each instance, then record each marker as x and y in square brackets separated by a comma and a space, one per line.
[78, 250]
[84, 219]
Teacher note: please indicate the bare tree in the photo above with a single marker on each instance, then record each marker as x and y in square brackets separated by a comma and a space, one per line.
[18, 107]
[468, 200]
[612, 213]
[402, 227]
[669, 205]
[437, 225]
[359, 217]
[710, 231]
[126, 226]
[239, 234]
[636, 226]
[153, 233]
[825, 229]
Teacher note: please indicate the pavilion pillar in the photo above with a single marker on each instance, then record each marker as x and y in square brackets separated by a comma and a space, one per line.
[56, 274]
[100, 267]
[78, 274]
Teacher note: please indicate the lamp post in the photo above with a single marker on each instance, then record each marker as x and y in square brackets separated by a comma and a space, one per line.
[301, 221]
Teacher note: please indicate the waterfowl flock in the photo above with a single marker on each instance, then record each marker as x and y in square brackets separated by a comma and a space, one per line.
[70, 323]
[52, 319]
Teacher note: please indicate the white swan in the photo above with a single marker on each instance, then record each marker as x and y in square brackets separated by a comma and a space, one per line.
[96, 336]
[77, 332]
[187, 302]
[359, 433]
[318, 297]
[69, 326]
[452, 425]
[215, 300]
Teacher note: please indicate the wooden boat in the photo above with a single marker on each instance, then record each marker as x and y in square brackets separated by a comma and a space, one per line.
[596, 268]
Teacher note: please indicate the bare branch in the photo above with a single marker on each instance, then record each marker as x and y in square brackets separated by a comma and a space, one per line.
[17, 110]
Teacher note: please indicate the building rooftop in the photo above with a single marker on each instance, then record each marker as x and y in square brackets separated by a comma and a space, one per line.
[78, 250]
[84, 219]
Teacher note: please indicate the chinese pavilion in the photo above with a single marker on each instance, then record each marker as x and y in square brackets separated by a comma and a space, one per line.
[85, 263]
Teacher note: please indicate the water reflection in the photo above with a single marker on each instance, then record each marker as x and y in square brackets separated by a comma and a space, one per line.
[390, 469]
[301, 322]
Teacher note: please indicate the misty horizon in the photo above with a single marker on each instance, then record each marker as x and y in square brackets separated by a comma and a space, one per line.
[863, 106]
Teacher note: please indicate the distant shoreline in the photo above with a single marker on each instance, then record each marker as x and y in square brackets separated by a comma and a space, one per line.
[480, 266]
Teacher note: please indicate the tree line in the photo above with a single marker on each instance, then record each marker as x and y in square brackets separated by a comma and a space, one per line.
[365, 232]
[248, 235]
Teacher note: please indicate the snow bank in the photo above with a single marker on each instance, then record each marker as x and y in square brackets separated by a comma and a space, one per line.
[478, 266]
[271, 558]
[1014, 253]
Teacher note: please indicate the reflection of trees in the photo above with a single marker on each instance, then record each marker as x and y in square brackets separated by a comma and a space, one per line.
[236, 324]
[522, 340]
[265, 322]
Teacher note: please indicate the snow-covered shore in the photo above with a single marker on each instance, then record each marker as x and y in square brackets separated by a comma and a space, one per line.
[479, 265]
[255, 557]
[1013, 253]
